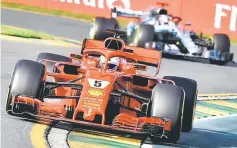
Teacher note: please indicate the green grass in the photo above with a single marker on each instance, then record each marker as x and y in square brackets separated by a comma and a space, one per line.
[85, 17]
[24, 33]
[45, 11]
[233, 41]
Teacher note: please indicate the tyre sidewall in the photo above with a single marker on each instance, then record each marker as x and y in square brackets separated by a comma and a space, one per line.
[190, 88]
[168, 102]
[27, 79]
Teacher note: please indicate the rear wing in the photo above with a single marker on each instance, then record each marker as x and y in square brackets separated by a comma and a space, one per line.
[126, 13]
[135, 14]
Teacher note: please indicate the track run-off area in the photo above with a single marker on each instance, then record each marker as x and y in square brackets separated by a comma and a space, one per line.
[215, 121]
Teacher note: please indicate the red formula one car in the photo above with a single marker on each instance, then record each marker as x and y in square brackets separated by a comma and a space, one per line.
[102, 94]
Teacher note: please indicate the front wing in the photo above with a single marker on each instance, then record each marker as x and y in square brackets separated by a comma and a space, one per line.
[157, 127]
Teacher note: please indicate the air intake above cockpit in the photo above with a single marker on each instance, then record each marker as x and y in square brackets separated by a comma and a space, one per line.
[113, 44]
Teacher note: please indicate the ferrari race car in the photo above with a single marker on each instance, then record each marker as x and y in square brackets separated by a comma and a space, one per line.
[96, 94]
[156, 29]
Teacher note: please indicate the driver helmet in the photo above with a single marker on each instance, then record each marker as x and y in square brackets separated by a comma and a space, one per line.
[158, 11]
[113, 62]
[163, 19]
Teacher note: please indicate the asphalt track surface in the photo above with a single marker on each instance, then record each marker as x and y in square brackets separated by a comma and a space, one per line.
[208, 133]
[58, 26]
[211, 79]
[16, 133]
[53, 25]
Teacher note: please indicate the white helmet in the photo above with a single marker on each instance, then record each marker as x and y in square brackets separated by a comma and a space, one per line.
[163, 19]
[114, 62]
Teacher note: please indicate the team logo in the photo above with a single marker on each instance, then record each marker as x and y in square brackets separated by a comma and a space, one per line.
[126, 4]
[95, 92]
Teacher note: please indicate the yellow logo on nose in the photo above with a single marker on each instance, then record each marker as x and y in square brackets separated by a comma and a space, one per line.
[95, 92]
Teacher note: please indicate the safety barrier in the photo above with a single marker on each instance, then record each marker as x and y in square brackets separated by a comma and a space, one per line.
[208, 16]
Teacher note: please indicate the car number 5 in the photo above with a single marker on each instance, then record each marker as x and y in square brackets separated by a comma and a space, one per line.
[98, 83]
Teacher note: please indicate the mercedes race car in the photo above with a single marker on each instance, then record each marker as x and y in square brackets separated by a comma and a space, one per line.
[156, 29]
[94, 90]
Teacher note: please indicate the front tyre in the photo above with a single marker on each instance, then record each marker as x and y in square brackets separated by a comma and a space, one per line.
[168, 102]
[27, 80]
[222, 47]
[190, 88]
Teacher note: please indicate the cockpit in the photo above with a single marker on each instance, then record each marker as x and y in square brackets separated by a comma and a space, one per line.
[112, 53]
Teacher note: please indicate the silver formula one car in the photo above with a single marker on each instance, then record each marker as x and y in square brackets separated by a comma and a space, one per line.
[156, 29]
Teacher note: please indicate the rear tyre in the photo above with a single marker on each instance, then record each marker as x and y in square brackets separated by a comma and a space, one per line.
[168, 102]
[53, 57]
[27, 80]
[190, 88]
[222, 45]
[98, 27]
[143, 34]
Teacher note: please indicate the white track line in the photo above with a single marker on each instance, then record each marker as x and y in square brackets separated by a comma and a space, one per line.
[57, 137]
[217, 117]
[216, 97]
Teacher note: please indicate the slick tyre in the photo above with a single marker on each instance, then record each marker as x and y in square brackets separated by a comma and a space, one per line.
[222, 45]
[168, 102]
[98, 27]
[190, 89]
[221, 42]
[27, 80]
[53, 57]
[143, 34]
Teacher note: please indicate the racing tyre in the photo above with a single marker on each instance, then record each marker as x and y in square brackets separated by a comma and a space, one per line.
[98, 27]
[143, 34]
[168, 102]
[53, 57]
[222, 45]
[221, 42]
[190, 88]
[27, 80]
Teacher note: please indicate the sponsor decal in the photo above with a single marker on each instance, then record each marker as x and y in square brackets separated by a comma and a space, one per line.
[93, 99]
[130, 12]
[226, 11]
[126, 4]
[95, 92]
[91, 107]
[91, 104]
